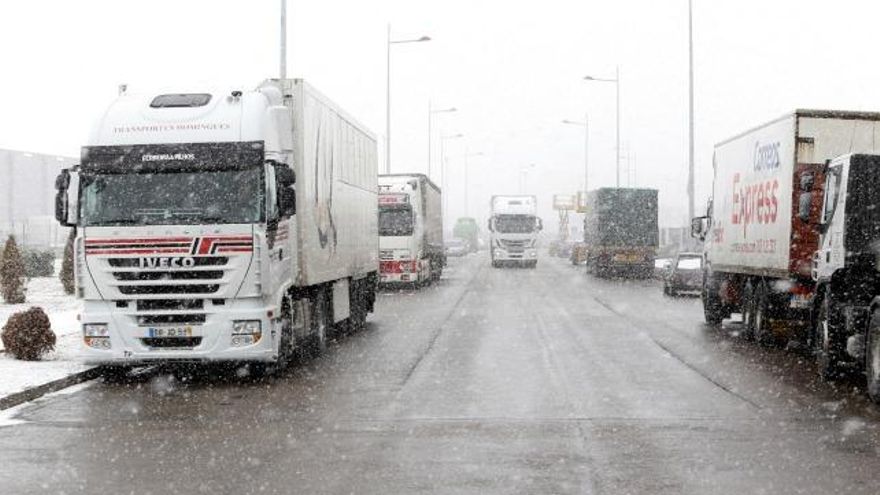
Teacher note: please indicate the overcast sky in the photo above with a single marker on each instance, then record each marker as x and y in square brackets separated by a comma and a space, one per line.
[513, 69]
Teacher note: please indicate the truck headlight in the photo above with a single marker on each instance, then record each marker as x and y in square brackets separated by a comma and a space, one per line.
[96, 330]
[246, 332]
[96, 335]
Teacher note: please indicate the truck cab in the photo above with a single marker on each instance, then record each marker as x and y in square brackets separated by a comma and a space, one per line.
[847, 307]
[193, 244]
[514, 227]
[410, 230]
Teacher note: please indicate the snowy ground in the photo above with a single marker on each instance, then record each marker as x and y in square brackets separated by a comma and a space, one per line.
[15, 375]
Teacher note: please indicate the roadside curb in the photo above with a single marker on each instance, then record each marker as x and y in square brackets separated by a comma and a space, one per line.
[33, 393]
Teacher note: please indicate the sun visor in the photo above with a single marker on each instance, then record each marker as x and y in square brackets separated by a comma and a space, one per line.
[172, 157]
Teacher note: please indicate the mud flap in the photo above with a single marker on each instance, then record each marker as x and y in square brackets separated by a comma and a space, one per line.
[341, 300]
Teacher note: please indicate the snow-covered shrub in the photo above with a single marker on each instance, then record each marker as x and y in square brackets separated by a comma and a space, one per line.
[12, 273]
[28, 335]
[39, 263]
[66, 274]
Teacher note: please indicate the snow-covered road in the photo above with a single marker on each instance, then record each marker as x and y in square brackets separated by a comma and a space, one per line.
[493, 381]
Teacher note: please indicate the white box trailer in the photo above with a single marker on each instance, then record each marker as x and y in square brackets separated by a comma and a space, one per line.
[222, 225]
[762, 226]
[410, 230]
[335, 161]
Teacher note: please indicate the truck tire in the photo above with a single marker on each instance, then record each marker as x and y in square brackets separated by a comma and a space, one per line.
[319, 318]
[713, 310]
[761, 330]
[286, 345]
[748, 311]
[872, 357]
[829, 347]
[358, 304]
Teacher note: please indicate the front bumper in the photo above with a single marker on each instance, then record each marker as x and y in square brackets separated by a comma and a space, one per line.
[527, 254]
[129, 344]
[402, 271]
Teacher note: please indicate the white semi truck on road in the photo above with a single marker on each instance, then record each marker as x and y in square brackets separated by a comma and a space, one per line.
[410, 230]
[222, 226]
[514, 226]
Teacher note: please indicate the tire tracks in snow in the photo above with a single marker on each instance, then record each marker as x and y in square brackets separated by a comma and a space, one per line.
[441, 326]
[669, 351]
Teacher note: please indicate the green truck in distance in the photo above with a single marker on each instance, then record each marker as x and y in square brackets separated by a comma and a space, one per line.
[466, 228]
[621, 231]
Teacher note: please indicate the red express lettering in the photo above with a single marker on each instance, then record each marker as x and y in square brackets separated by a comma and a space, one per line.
[755, 203]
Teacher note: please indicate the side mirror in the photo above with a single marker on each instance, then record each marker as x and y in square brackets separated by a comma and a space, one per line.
[804, 203]
[540, 225]
[62, 205]
[489, 225]
[284, 175]
[698, 230]
[285, 178]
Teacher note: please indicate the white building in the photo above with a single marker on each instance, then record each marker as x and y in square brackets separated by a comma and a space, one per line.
[27, 197]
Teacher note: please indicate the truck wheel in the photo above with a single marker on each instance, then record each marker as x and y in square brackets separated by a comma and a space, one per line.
[872, 357]
[436, 270]
[318, 324]
[761, 328]
[357, 318]
[712, 307]
[285, 346]
[748, 311]
[828, 346]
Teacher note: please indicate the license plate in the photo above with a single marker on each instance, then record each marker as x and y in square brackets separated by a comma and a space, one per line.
[169, 332]
[628, 258]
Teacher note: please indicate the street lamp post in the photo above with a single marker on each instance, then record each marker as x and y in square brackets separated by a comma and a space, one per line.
[283, 55]
[466, 192]
[586, 125]
[616, 82]
[388, 93]
[690, 184]
[523, 173]
[443, 190]
[431, 112]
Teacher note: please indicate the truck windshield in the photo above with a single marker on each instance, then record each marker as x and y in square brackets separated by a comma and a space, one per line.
[515, 224]
[395, 220]
[173, 198]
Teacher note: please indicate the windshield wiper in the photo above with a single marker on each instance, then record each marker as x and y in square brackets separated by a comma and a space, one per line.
[121, 221]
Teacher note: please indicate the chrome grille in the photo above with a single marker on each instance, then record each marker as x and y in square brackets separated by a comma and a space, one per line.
[205, 277]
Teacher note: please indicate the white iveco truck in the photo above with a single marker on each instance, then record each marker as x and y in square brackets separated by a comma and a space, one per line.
[410, 230]
[222, 226]
[514, 227]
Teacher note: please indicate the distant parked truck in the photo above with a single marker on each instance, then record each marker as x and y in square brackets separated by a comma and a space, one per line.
[466, 228]
[514, 227]
[765, 219]
[411, 246]
[222, 226]
[621, 231]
